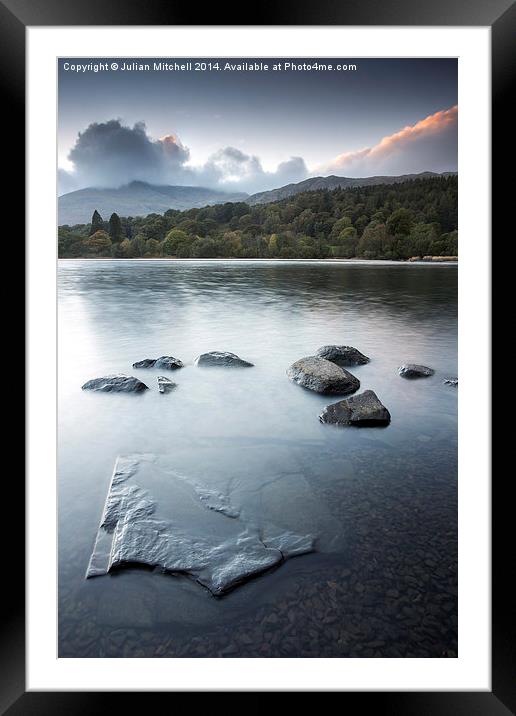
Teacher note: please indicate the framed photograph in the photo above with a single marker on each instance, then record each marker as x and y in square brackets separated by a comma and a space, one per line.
[258, 258]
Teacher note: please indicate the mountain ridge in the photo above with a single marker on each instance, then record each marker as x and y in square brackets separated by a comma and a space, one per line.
[141, 198]
[336, 182]
[137, 199]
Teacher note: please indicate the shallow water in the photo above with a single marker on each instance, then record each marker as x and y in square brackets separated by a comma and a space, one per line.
[389, 588]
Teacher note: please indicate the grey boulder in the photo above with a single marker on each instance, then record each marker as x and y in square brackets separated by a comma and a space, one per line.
[165, 385]
[116, 384]
[145, 363]
[223, 359]
[167, 362]
[343, 355]
[362, 410]
[412, 370]
[322, 376]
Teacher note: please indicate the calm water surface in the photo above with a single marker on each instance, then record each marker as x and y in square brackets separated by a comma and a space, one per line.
[390, 588]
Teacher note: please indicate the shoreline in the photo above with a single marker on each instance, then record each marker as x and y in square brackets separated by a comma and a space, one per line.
[427, 262]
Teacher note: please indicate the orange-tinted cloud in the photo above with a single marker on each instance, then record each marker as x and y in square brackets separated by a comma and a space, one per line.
[430, 144]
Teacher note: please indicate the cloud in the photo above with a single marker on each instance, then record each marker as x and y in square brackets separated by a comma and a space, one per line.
[292, 170]
[231, 167]
[428, 145]
[112, 154]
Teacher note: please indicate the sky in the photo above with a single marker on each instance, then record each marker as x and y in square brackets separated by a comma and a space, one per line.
[249, 130]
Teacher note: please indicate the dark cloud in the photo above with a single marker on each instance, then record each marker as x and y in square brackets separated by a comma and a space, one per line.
[111, 154]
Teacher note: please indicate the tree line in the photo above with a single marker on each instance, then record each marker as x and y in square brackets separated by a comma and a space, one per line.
[386, 221]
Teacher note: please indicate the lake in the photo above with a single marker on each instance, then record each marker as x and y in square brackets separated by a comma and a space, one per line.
[383, 581]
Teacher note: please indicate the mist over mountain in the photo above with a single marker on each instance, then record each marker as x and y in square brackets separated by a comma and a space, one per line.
[334, 182]
[137, 199]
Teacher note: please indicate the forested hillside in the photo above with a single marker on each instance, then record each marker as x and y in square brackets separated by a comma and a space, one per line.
[332, 182]
[388, 221]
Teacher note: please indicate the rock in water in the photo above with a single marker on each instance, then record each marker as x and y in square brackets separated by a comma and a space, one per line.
[145, 363]
[165, 385]
[322, 376]
[223, 359]
[411, 370]
[167, 362]
[362, 410]
[451, 381]
[343, 355]
[193, 528]
[116, 384]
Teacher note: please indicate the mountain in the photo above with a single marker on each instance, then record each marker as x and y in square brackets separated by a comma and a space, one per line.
[333, 182]
[136, 199]
[140, 199]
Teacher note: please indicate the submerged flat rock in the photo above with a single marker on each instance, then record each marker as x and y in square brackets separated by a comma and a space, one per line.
[451, 381]
[223, 359]
[322, 376]
[116, 384]
[343, 355]
[165, 385]
[362, 410]
[412, 370]
[167, 362]
[219, 535]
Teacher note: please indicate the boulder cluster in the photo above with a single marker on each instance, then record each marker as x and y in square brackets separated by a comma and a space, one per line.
[129, 384]
[325, 373]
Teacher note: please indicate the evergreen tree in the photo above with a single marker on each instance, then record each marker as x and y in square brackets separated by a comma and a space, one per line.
[97, 224]
[115, 228]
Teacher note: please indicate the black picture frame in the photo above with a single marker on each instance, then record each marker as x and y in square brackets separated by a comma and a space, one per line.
[500, 15]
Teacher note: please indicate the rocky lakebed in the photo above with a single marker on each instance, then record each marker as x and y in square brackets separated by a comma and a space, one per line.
[383, 583]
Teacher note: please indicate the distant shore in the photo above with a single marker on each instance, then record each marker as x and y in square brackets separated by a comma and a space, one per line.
[412, 260]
